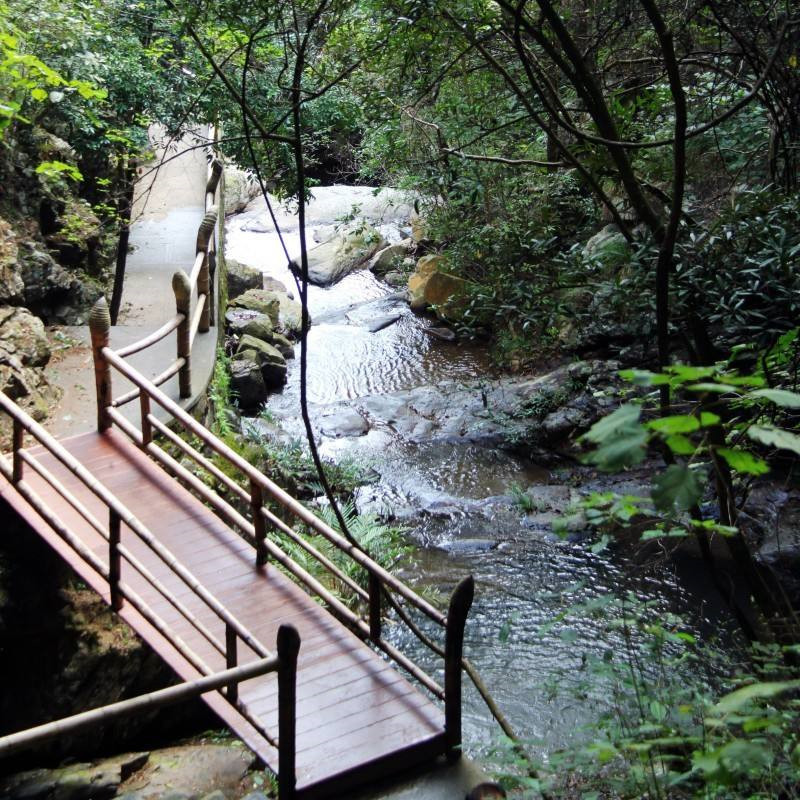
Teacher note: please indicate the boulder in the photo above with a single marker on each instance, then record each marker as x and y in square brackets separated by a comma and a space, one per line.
[395, 278]
[241, 278]
[284, 313]
[22, 336]
[390, 257]
[290, 315]
[432, 285]
[82, 781]
[419, 228]
[443, 334]
[379, 323]
[283, 345]
[417, 281]
[608, 246]
[240, 188]
[259, 327]
[261, 301]
[11, 285]
[237, 319]
[53, 293]
[272, 363]
[446, 292]
[347, 251]
[247, 382]
[274, 285]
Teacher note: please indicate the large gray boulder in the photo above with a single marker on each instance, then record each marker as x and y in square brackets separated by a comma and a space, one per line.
[247, 382]
[240, 188]
[241, 278]
[284, 313]
[347, 251]
[269, 358]
[261, 301]
[391, 257]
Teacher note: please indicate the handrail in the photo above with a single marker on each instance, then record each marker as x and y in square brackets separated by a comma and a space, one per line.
[156, 336]
[278, 494]
[55, 448]
[284, 663]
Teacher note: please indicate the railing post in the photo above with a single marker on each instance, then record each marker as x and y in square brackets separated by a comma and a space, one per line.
[183, 301]
[18, 439]
[288, 648]
[114, 563]
[99, 328]
[232, 690]
[205, 235]
[374, 607]
[147, 428]
[256, 503]
[460, 604]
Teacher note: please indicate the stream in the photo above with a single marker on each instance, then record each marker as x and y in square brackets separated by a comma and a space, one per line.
[454, 496]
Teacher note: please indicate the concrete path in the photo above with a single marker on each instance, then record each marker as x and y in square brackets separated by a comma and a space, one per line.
[168, 207]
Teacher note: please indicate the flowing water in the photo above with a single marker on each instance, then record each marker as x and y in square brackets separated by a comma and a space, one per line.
[453, 497]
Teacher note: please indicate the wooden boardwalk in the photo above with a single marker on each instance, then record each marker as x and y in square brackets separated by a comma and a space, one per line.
[202, 569]
[357, 717]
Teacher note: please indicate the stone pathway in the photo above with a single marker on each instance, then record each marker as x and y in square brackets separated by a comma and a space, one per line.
[168, 207]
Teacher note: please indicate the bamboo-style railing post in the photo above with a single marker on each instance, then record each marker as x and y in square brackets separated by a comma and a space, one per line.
[288, 648]
[205, 235]
[183, 300]
[147, 428]
[18, 440]
[212, 271]
[259, 523]
[99, 328]
[460, 604]
[114, 562]
[232, 690]
[374, 607]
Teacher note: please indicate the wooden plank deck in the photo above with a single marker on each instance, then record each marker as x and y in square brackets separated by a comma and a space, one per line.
[357, 717]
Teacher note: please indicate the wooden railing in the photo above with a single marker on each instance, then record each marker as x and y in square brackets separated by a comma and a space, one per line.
[198, 284]
[121, 592]
[251, 490]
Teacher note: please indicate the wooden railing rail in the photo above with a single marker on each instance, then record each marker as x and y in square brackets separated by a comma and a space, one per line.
[14, 473]
[366, 630]
[284, 663]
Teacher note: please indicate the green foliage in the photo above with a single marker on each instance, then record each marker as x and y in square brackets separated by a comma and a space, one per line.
[665, 726]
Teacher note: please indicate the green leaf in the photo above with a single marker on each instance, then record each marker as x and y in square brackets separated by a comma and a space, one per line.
[643, 377]
[687, 373]
[625, 418]
[677, 423]
[680, 445]
[742, 461]
[38, 94]
[718, 388]
[627, 450]
[677, 487]
[780, 397]
[707, 419]
[737, 700]
[775, 437]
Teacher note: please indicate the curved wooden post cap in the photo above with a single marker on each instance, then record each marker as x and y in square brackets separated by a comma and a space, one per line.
[461, 599]
[181, 286]
[288, 642]
[100, 317]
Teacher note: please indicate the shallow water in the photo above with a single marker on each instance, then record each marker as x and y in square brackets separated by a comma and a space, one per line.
[453, 500]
